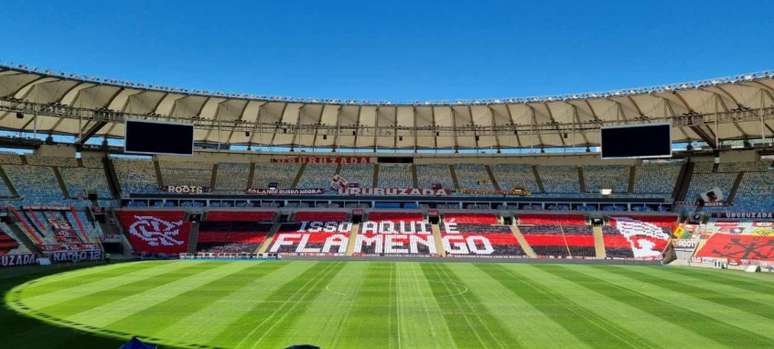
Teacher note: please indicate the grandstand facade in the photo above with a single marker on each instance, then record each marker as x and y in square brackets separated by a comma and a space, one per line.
[510, 179]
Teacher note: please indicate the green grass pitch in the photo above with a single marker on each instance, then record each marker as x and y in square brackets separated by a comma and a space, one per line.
[215, 304]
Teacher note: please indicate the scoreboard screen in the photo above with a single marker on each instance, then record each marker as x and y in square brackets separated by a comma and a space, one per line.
[153, 137]
[640, 141]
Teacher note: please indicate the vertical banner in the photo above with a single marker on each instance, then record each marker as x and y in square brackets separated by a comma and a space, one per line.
[156, 232]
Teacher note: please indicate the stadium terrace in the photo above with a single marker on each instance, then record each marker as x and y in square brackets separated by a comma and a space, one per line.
[277, 221]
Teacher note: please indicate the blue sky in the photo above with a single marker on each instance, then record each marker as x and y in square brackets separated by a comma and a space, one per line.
[397, 51]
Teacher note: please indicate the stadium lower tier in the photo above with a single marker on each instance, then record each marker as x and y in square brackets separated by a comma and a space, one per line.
[482, 244]
[738, 248]
[310, 243]
[552, 245]
[394, 233]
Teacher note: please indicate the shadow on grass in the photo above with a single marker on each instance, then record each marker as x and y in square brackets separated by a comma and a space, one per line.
[19, 331]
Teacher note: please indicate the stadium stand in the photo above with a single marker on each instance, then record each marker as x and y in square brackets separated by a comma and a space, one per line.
[606, 177]
[755, 191]
[738, 247]
[232, 177]
[395, 176]
[231, 236]
[80, 181]
[10, 244]
[395, 233]
[156, 232]
[560, 179]
[704, 180]
[5, 191]
[473, 176]
[647, 236]
[197, 173]
[313, 233]
[55, 229]
[510, 176]
[136, 175]
[282, 174]
[363, 174]
[35, 184]
[558, 236]
[656, 179]
[428, 175]
[317, 176]
[478, 235]
[51, 161]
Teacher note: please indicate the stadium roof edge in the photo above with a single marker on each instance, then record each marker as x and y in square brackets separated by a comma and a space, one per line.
[711, 111]
[482, 101]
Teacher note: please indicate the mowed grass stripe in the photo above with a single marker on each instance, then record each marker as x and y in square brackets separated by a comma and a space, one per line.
[73, 301]
[693, 321]
[280, 308]
[470, 324]
[272, 332]
[79, 278]
[621, 314]
[420, 327]
[745, 305]
[718, 312]
[144, 298]
[165, 314]
[371, 323]
[530, 327]
[725, 278]
[583, 323]
[216, 318]
[328, 313]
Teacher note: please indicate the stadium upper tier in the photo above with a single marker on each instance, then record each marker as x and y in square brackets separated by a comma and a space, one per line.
[553, 183]
[709, 111]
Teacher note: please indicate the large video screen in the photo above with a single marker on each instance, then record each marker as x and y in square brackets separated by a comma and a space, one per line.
[151, 137]
[641, 141]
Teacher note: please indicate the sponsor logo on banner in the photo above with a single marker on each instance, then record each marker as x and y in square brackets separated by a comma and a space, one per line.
[325, 160]
[741, 228]
[268, 191]
[512, 192]
[13, 260]
[743, 215]
[75, 256]
[45, 208]
[185, 189]
[685, 243]
[394, 191]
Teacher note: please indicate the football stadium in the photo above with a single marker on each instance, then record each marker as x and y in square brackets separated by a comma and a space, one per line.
[137, 215]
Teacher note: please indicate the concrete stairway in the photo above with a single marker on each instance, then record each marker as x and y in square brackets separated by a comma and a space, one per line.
[599, 242]
[438, 239]
[352, 238]
[523, 242]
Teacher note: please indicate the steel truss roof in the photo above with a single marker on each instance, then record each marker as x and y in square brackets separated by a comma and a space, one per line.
[712, 110]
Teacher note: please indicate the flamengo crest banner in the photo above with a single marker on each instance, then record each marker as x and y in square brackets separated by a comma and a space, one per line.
[162, 232]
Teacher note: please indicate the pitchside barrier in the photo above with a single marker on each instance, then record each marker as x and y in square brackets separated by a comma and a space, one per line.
[71, 256]
[229, 256]
[728, 263]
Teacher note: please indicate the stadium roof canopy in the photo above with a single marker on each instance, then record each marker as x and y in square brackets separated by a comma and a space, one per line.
[712, 110]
